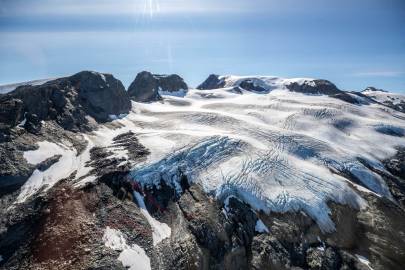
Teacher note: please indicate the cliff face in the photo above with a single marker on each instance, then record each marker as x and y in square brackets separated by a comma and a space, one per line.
[69, 100]
[146, 86]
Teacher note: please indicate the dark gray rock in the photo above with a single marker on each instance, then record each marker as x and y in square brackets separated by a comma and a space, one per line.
[11, 111]
[212, 82]
[346, 97]
[373, 89]
[396, 164]
[269, 253]
[249, 85]
[314, 87]
[14, 169]
[323, 258]
[101, 95]
[322, 87]
[32, 123]
[70, 100]
[146, 86]
[44, 165]
[171, 83]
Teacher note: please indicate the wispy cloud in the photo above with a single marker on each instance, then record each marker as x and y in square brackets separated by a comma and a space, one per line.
[128, 7]
[380, 73]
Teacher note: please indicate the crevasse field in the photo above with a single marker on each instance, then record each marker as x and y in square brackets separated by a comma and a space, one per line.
[278, 151]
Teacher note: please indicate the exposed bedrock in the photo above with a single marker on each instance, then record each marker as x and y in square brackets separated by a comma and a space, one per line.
[205, 233]
[70, 101]
[321, 87]
[212, 82]
[146, 86]
[314, 87]
[11, 111]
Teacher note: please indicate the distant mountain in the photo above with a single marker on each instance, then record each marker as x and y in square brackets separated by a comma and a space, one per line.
[148, 87]
[245, 172]
[392, 100]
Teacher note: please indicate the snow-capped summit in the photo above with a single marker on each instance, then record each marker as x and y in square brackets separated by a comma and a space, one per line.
[392, 100]
[265, 84]
[252, 83]
[372, 89]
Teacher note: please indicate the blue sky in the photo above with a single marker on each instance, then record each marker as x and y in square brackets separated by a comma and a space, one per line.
[353, 43]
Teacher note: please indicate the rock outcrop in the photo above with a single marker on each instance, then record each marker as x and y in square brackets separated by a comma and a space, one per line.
[250, 85]
[146, 86]
[321, 87]
[373, 89]
[212, 82]
[11, 111]
[314, 87]
[69, 101]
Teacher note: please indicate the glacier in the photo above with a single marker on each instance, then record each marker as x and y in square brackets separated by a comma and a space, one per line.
[276, 150]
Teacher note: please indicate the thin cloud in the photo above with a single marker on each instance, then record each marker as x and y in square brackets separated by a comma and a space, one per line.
[131, 7]
[384, 73]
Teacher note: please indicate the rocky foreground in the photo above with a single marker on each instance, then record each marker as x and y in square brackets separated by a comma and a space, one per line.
[81, 203]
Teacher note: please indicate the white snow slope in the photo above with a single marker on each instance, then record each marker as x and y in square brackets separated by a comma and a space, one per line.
[384, 97]
[5, 88]
[279, 151]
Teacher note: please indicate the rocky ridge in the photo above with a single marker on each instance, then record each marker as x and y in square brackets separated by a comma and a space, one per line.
[74, 102]
[146, 86]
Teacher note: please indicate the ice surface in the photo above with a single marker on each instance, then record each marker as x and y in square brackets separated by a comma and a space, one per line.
[133, 257]
[178, 93]
[279, 151]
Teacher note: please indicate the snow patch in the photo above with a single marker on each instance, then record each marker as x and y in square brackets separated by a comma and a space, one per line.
[66, 165]
[101, 75]
[364, 261]
[160, 231]
[22, 123]
[46, 150]
[114, 239]
[133, 257]
[261, 227]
